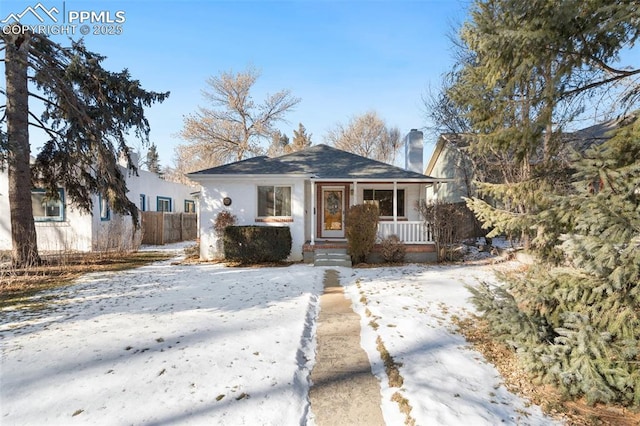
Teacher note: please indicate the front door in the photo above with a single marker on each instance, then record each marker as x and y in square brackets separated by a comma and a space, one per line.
[332, 213]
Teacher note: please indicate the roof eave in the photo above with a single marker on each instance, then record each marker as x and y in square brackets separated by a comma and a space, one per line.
[426, 179]
[244, 176]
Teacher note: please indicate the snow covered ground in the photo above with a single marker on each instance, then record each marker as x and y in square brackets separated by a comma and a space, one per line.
[445, 381]
[206, 344]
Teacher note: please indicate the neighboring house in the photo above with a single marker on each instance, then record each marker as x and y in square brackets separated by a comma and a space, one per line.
[449, 159]
[60, 226]
[310, 191]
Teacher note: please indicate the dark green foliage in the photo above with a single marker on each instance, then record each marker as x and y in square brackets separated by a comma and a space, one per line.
[301, 139]
[578, 325]
[153, 159]
[256, 244]
[89, 113]
[361, 230]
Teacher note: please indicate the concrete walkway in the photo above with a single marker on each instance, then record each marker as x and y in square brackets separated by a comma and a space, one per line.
[343, 391]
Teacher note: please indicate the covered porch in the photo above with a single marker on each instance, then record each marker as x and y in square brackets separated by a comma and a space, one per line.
[329, 200]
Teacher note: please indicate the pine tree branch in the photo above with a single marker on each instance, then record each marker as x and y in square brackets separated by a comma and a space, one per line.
[45, 100]
[41, 125]
[597, 84]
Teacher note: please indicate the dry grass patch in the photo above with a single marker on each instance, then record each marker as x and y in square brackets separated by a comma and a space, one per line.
[16, 284]
[390, 366]
[405, 408]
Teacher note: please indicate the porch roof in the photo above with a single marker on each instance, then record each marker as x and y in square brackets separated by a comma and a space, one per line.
[320, 162]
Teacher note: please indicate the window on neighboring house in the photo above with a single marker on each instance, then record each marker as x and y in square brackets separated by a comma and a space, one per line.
[105, 210]
[189, 206]
[143, 202]
[163, 204]
[274, 201]
[46, 209]
[383, 198]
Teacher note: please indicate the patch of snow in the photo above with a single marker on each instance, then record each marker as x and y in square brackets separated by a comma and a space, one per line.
[445, 380]
[209, 344]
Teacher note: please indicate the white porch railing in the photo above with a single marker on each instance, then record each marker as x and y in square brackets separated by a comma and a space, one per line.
[411, 232]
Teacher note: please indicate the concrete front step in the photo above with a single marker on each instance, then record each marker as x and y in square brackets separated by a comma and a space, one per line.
[331, 257]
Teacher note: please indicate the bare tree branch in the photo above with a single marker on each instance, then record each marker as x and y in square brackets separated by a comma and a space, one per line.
[234, 126]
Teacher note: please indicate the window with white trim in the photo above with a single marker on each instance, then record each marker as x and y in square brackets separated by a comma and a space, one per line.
[383, 198]
[47, 209]
[274, 201]
[189, 206]
[105, 210]
[163, 204]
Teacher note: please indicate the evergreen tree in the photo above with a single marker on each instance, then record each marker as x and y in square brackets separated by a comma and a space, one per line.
[87, 111]
[153, 159]
[301, 139]
[578, 325]
[526, 74]
[574, 317]
[279, 144]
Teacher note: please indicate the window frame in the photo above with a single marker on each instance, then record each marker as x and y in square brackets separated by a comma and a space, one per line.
[105, 209]
[143, 203]
[160, 199]
[401, 204]
[62, 206]
[274, 215]
[191, 209]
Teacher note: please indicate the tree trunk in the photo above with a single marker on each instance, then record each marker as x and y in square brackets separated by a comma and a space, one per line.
[23, 231]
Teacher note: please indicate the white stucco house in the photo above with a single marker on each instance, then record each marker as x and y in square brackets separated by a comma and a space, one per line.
[60, 226]
[309, 191]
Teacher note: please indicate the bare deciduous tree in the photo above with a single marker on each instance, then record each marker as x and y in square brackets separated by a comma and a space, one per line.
[366, 135]
[235, 125]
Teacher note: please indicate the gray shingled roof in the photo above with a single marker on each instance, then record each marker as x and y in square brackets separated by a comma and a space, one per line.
[320, 161]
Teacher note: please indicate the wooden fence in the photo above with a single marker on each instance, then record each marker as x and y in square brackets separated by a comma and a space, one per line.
[163, 228]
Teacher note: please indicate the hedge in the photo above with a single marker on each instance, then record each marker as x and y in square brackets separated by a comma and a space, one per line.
[256, 244]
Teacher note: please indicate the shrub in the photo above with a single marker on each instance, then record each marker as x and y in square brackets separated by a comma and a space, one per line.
[255, 244]
[361, 230]
[392, 249]
[224, 219]
[446, 220]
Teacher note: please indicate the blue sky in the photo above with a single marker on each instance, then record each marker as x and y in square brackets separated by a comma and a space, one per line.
[342, 58]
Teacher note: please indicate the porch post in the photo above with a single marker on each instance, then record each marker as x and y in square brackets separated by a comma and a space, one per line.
[355, 193]
[395, 207]
[313, 212]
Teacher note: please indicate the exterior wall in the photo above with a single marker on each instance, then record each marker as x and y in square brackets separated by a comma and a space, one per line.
[80, 231]
[244, 205]
[71, 234]
[5, 221]
[308, 213]
[152, 187]
[450, 164]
